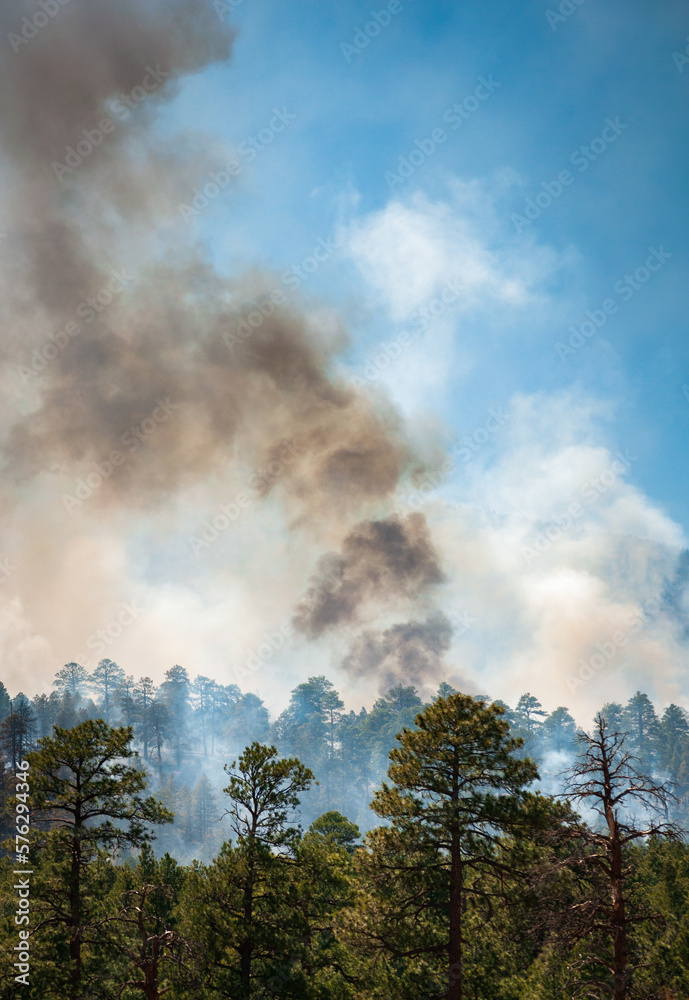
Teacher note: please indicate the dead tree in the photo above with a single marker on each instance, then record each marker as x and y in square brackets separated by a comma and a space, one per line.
[629, 806]
[155, 944]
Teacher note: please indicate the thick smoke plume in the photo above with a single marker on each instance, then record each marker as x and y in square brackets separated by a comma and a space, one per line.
[380, 561]
[121, 361]
[165, 336]
[408, 653]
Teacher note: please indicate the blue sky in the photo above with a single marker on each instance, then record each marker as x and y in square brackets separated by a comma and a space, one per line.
[357, 113]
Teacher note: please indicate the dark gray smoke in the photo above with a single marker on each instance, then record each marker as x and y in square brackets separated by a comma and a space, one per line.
[409, 653]
[380, 561]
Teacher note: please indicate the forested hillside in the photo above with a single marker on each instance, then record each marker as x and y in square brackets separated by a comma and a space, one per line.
[186, 729]
[179, 842]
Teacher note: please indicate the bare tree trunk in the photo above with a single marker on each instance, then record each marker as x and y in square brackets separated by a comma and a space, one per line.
[621, 982]
[618, 928]
[247, 946]
[75, 919]
[456, 984]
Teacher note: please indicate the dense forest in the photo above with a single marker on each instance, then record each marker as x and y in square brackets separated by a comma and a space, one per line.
[177, 841]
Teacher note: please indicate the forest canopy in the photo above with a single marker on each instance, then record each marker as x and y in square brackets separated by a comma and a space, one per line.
[181, 843]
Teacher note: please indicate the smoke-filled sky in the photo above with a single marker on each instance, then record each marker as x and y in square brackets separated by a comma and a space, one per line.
[346, 340]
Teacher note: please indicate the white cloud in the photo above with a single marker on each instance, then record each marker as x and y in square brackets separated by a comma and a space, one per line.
[408, 250]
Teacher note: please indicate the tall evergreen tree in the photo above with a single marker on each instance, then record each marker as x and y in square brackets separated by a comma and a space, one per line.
[105, 680]
[308, 728]
[641, 723]
[247, 721]
[71, 679]
[5, 707]
[159, 726]
[90, 796]
[614, 715]
[16, 738]
[144, 693]
[47, 709]
[673, 748]
[205, 807]
[559, 731]
[458, 789]
[175, 691]
[263, 795]
[124, 698]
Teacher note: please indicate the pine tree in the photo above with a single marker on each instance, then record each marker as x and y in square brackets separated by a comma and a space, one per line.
[47, 708]
[16, 738]
[205, 807]
[124, 698]
[106, 679]
[264, 792]
[613, 713]
[336, 829]
[247, 721]
[174, 691]
[527, 722]
[146, 933]
[308, 728]
[159, 726]
[673, 748]
[641, 723]
[5, 706]
[458, 789]
[144, 693]
[72, 679]
[89, 794]
[559, 731]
